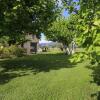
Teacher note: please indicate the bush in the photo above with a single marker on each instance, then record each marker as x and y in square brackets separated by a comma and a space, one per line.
[4, 53]
[45, 49]
[12, 51]
[1, 51]
[16, 51]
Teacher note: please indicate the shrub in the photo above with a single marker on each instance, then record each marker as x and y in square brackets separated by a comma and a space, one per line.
[45, 49]
[12, 51]
[5, 53]
[1, 51]
[16, 51]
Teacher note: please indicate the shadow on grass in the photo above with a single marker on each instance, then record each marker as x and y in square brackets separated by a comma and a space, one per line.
[32, 64]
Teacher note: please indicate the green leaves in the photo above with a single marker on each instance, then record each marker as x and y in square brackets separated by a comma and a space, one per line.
[88, 25]
[20, 16]
[63, 29]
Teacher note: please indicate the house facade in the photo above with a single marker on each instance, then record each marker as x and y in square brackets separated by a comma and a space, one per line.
[32, 44]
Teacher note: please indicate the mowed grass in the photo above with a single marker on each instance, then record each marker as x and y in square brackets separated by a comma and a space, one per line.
[46, 77]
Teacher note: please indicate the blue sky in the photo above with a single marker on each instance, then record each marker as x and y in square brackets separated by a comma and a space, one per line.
[43, 39]
[65, 13]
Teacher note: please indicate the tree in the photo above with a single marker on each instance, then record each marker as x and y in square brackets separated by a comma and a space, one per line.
[18, 17]
[63, 30]
[89, 24]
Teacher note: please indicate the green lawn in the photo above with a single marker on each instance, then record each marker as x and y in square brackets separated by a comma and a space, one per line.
[46, 77]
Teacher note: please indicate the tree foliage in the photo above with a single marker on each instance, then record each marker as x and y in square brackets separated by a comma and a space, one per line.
[88, 24]
[63, 30]
[21, 16]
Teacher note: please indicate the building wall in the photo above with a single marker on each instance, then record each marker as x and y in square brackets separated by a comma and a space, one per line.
[32, 39]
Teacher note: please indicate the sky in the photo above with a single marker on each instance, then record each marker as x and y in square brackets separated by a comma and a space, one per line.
[65, 13]
[43, 39]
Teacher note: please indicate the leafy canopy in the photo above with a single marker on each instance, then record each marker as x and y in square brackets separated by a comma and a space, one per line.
[21, 16]
[88, 24]
[63, 29]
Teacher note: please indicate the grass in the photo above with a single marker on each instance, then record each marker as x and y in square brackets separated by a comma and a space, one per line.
[46, 77]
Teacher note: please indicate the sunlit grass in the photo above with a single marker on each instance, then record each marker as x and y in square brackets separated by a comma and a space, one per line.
[45, 77]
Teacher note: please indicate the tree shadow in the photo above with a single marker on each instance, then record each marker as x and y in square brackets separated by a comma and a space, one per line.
[19, 67]
[6, 77]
